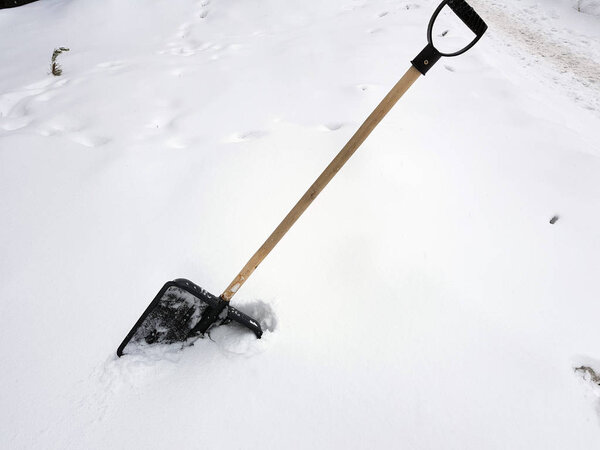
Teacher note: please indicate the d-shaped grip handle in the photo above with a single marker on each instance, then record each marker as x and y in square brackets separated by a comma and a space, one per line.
[430, 55]
[466, 14]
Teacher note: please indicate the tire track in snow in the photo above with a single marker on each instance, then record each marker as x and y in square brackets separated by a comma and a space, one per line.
[541, 44]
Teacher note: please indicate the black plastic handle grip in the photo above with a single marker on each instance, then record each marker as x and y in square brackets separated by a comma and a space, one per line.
[430, 55]
[468, 16]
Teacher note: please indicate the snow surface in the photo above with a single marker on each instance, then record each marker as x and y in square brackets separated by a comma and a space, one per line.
[423, 301]
[588, 6]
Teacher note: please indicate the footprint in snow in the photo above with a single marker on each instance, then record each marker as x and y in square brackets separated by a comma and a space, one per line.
[14, 124]
[45, 96]
[375, 31]
[110, 65]
[182, 51]
[246, 136]
[189, 48]
[16, 103]
[59, 125]
[87, 139]
[18, 107]
[331, 126]
[184, 29]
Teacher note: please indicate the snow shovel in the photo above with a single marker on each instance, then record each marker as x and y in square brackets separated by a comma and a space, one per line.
[183, 311]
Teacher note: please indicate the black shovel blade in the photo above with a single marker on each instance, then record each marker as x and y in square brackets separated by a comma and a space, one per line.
[181, 311]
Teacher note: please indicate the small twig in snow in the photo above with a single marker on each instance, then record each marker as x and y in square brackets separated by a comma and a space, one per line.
[56, 69]
[594, 377]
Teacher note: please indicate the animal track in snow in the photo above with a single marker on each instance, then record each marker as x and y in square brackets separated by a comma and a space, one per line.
[14, 124]
[87, 139]
[13, 103]
[185, 43]
[188, 48]
[59, 125]
[45, 96]
[111, 65]
[17, 107]
[184, 30]
[245, 136]
[331, 126]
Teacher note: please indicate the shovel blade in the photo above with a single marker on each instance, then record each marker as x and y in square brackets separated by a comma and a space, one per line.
[181, 311]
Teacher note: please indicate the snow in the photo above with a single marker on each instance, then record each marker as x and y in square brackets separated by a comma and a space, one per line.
[423, 301]
[588, 7]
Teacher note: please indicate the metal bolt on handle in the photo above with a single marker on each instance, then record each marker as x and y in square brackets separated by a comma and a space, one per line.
[430, 55]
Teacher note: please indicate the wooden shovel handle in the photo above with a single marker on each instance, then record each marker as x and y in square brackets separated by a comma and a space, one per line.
[344, 155]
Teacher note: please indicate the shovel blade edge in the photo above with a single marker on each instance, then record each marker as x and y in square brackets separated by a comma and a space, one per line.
[180, 311]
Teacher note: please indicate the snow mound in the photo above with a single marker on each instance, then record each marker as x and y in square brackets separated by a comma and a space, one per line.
[591, 7]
